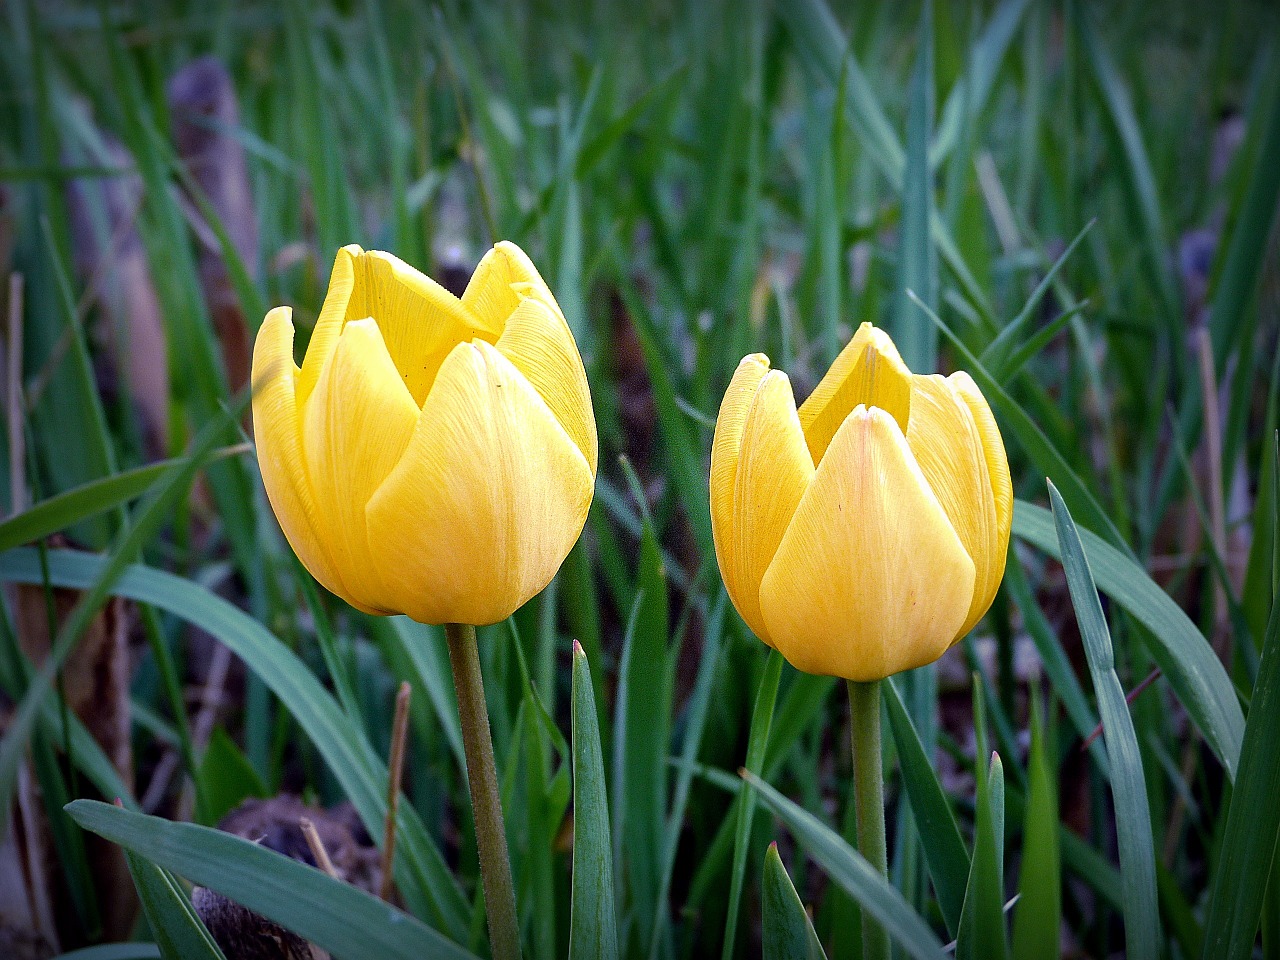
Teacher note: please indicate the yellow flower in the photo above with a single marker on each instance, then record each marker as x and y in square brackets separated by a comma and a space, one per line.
[434, 456]
[866, 532]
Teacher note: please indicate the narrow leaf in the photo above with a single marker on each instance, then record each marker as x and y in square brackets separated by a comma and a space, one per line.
[1129, 788]
[593, 932]
[850, 870]
[788, 932]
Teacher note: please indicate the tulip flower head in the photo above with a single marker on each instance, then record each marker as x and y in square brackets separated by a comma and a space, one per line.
[866, 532]
[434, 456]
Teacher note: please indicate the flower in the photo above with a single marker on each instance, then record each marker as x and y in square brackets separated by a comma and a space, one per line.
[866, 532]
[434, 456]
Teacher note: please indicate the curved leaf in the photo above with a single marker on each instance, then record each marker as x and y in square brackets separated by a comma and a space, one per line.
[850, 870]
[422, 875]
[1184, 655]
[345, 920]
[1128, 786]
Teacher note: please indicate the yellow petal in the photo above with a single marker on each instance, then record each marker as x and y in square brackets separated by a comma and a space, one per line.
[420, 320]
[868, 371]
[997, 467]
[946, 444]
[870, 578]
[333, 314]
[725, 448]
[774, 470]
[279, 445]
[355, 428]
[488, 499]
[540, 345]
[504, 277]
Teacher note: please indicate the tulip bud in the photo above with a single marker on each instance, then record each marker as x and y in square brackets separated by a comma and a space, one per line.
[866, 532]
[434, 456]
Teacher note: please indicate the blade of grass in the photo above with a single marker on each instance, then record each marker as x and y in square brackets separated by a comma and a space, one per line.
[593, 932]
[1128, 784]
[787, 932]
[916, 336]
[335, 916]
[1185, 657]
[850, 870]
[1037, 919]
[179, 931]
[421, 874]
[944, 849]
[1253, 817]
[757, 745]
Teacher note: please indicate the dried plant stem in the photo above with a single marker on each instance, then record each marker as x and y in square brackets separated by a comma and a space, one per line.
[486, 802]
[868, 798]
[395, 772]
[316, 846]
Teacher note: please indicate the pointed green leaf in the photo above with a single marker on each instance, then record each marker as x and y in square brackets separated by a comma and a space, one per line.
[593, 932]
[345, 920]
[1128, 785]
[850, 870]
[788, 932]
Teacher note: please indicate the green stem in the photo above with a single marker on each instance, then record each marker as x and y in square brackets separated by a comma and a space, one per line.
[486, 803]
[868, 799]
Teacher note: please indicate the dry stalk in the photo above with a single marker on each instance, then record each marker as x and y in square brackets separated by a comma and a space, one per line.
[395, 771]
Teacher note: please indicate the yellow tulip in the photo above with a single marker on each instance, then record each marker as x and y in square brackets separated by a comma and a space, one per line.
[866, 532]
[434, 456]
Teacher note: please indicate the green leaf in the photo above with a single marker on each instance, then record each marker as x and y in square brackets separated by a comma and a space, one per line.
[757, 745]
[13, 747]
[1253, 818]
[1001, 357]
[421, 873]
[848, 868]
[340, 918]
[788, 932]
[944, 849]
[1038, 916]
[1062, 675]
[85, 501]
[916, 336]
[982, 935]
[969, 95]
[644, 708]
[178, 929]
[1184, 655]
[1141, 182]
[593, 932]
[227, 776]
[1128, 785]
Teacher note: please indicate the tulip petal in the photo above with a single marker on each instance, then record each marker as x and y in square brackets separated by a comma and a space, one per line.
[870, 578]
[997, 460]
[333, 314]
[868, 371]
[420, 320]
[540, 345]
[278, 439]
[945, 442]
[992, 445]
[726, 447]
[774, 470]
[504, 277]
[355, 428]
[487, 501]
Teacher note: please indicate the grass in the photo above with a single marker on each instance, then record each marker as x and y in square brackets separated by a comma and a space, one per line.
[696, 183]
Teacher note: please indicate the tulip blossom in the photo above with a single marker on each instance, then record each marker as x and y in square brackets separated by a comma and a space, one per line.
[865, 532]
[434, 455]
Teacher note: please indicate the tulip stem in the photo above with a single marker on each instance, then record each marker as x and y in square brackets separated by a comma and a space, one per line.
[868, 798]
[486, 803]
